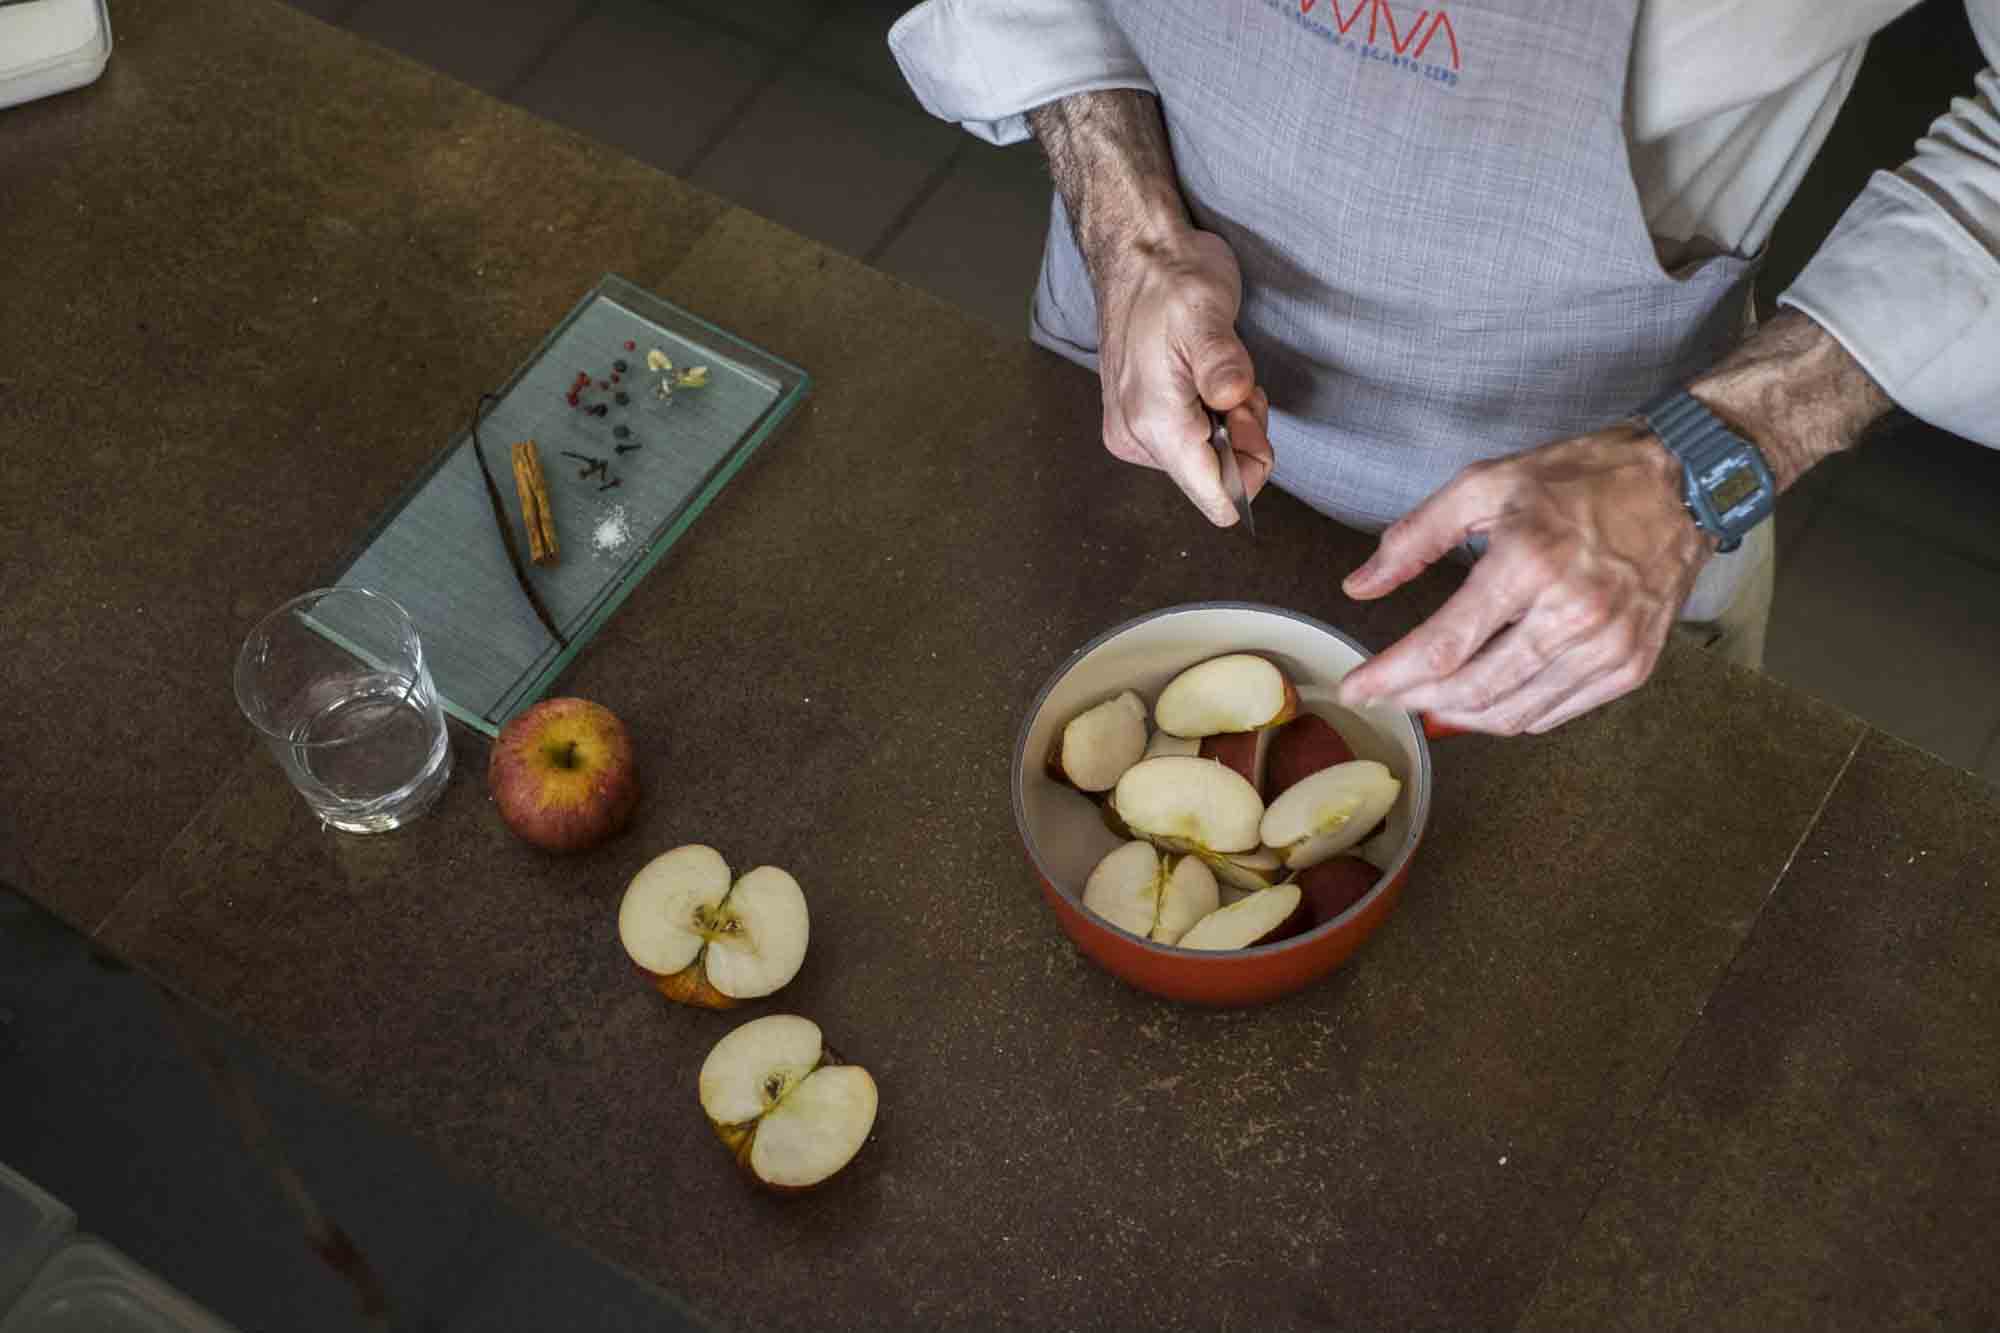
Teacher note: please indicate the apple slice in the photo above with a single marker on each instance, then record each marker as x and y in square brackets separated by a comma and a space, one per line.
[1156, 897]
[1328, 812]
[785, 1105]
[706, 942]
[1265, 916]
[1190, 804]
[1333, 886]
[1245, 751]
[1239, 692]
[1097, 746]
[1301, 748]
[1246, 872]
[1164, 743]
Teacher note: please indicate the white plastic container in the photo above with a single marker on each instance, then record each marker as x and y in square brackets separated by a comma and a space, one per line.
[51, 46]
[88, 1287]
[33, 1226]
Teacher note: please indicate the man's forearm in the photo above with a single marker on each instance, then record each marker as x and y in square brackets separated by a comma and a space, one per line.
[1796, 391]
[1109, 157]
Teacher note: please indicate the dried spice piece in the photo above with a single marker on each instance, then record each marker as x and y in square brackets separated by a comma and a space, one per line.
[619, 365]
[657, 360]
[620, 432]
[609, 484]
[694, 377]
[536, 514]
[621, 398]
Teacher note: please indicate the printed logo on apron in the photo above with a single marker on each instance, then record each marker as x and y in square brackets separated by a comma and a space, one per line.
[1397, 41]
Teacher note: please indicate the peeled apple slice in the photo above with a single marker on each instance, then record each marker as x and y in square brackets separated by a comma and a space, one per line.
[1264, 915]
[1163, 743]
[1097, 746]
[785, 1105]
[709, 943]
[1156, 897]
[1239, 692]
[1325, 814]
[1195, 803]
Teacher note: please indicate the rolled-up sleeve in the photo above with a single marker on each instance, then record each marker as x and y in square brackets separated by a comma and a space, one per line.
[1909, 281]
[984, 64]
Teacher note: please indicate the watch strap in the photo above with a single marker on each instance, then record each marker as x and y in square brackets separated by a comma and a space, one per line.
[1727, 484]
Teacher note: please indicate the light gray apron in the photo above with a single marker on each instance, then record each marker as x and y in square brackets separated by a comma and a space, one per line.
[1444, 256]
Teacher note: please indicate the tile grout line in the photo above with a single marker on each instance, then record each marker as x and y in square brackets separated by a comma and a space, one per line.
[790, 58]
[1687, 1036]
[505, 92]
[907, 214]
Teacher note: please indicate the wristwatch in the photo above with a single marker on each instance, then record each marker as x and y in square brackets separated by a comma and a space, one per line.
[1727, 486]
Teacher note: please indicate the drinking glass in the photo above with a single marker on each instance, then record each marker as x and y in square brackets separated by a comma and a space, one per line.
[335, 682]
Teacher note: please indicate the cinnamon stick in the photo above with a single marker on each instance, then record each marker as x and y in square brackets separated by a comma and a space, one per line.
[536, 514]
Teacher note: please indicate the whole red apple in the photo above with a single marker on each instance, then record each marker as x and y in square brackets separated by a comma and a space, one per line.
[564, 774]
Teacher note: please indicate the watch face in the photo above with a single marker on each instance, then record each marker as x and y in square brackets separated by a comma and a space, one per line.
[1733, 488]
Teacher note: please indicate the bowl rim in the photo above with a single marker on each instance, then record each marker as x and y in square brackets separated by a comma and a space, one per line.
[1419, 814]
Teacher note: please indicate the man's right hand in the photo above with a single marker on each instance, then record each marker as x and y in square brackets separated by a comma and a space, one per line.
[1167, 299]
[1167, 347]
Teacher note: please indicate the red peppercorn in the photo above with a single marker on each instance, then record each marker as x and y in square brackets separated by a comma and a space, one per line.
[630, 345]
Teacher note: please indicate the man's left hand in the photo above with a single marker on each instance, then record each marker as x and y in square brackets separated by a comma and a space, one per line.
[1590, 554]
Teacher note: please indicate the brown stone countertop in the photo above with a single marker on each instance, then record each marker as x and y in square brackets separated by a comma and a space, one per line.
[1685, 1019]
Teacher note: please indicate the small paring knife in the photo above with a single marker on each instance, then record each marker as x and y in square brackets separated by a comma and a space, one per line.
[1232, 476]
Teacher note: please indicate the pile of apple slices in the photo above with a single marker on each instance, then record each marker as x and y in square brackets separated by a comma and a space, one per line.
[1209, 864]
[789, 1110]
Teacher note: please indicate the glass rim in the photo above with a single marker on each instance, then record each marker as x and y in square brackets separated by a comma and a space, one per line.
[312, 597]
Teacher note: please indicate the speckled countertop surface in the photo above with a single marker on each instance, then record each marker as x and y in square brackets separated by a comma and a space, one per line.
[1677, 1023]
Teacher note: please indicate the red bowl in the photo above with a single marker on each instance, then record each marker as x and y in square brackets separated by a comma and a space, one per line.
[1065, 835]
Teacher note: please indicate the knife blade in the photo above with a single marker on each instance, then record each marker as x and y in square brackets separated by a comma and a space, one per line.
[1232, 476]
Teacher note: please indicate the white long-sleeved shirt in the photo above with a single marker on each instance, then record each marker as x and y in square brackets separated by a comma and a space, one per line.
[1726, 105]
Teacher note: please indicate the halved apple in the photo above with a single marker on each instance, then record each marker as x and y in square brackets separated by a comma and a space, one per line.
[1099, 744]
[705, 941]
[1264, 917]
[1189, 804]
[1236, 692]
[783, 1102]
[1325, 814]
[1245, 751]
[1301, 748]
[1158, 897]
[1165, 743]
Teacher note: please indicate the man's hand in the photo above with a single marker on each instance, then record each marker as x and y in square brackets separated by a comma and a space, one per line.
[1590, 554]
[1167, 298]
[1168, 345]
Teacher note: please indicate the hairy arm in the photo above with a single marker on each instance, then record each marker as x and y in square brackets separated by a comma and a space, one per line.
[1167, 297]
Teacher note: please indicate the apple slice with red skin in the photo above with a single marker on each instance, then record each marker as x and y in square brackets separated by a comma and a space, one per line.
[563, 775]
[1235, 692]
[1301, 748]
[1329, 812]
[790, 1112]
[1334, 885]
[706, 941]
[1265, 917]
[1099, 744]
[1245, 751]
[1152, 896]
[1189, 804]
